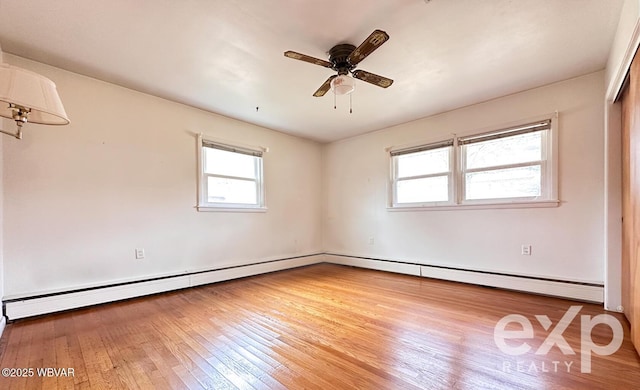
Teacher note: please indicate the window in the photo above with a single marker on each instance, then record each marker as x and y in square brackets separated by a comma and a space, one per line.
[423, 175]
[505, 164]
[513, 165]
[230, 177]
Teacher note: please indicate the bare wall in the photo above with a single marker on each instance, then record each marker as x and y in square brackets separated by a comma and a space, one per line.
[567, 241]
[78, 199]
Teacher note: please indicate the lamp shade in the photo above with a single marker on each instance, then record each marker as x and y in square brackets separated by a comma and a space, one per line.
[33, 91]
[343, 85]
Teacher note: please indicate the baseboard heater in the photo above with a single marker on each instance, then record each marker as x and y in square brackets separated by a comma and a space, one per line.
[37, 305]
[588, 292]
[32, 306]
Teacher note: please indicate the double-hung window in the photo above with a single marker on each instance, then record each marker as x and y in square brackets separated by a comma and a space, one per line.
[507, 164]
[423, 175]
[230, 177]
[501, 167]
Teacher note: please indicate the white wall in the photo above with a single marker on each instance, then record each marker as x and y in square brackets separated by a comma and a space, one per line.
[78, 199]
[567, 241]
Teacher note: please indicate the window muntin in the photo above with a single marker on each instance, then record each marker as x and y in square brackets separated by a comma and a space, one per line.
[512, 165]
[231, 177]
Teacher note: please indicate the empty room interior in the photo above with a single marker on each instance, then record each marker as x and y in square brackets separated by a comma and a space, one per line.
[414, 194]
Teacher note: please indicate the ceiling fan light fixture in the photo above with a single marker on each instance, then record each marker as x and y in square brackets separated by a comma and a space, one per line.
[343, 85]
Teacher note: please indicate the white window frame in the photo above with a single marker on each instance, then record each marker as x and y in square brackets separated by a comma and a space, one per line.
[417, 149]
[203, 203]
[549, 171]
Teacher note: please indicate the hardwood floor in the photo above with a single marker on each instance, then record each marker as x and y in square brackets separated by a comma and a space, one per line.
[318, 327]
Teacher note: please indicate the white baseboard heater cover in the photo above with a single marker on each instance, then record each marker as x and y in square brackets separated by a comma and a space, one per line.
[380, 265]
[29, 307]
[570, 290]
[561, 289]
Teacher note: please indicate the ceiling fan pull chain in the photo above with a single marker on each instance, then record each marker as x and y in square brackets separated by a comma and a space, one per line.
[334, 100]
[350, 105]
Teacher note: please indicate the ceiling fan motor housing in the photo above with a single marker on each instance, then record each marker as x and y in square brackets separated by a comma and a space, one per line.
[338, 56]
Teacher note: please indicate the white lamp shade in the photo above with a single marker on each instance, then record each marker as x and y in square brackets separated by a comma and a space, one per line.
[343, 85]
[30, 90]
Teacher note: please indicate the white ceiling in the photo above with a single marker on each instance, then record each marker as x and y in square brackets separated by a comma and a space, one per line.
[226, 56]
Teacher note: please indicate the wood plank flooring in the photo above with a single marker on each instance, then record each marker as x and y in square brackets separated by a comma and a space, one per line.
[318, 327]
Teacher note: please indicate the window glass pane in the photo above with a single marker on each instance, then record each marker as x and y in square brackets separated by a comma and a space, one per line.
[221, 190]
[509, 150]
[430, 189]
[222, 162]
[423, 163]
[504, 183]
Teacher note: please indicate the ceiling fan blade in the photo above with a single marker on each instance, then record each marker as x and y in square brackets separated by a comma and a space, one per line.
[372, 78]
[374, 41]
[306, 58]
[324, 87]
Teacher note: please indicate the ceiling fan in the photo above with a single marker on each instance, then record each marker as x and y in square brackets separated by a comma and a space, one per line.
[344, 58]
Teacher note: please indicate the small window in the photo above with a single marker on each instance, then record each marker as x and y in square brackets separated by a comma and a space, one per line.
[230, 177]
[423, 175]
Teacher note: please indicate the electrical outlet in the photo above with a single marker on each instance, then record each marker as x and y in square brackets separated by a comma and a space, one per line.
[139, 253]
[526, 250]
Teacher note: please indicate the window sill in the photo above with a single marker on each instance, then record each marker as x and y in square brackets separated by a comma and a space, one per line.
[480, 206]
[222, 209]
